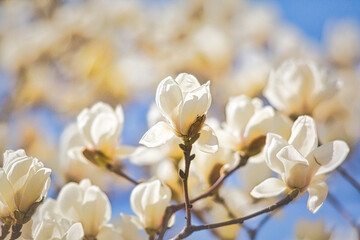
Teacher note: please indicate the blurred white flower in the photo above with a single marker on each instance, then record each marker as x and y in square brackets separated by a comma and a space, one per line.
[343, 42]
[300, 163]
[184, 103]
[100, 127]
[24, 183]
[248, 122]
[48, 223]
[87, 204]
[298, 86]
[149, 201]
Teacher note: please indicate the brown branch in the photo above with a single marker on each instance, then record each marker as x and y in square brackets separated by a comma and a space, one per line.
[253, 232]
[348, 177]
[188, 231]
[120, 173]
[338, 207]
[174, 208]
[186, 147]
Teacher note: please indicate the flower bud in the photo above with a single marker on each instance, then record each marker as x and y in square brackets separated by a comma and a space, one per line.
[149, 201]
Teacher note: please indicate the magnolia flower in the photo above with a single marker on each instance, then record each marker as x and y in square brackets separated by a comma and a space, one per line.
[48, 223]
[300, 163]
[87, 204]
[100, 127]
[298, 86]
[247, 123]
[148, 201]
[24, 183]
[184, 103]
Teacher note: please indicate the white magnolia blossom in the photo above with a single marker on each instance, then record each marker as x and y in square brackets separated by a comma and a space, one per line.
[48, 223]
[298, 86]
[300, 163]
[100, 127]
[87, 204]
[182, 102]
[148, 201]
[247, 120]
[24, 181]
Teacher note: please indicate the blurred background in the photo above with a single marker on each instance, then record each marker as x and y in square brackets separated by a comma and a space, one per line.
[58, 57]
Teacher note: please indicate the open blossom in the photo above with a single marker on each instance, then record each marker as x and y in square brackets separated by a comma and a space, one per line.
[100, 127]
[149, 201]
[248, 122]
[184, 103]
[300, 163]
[24, 182]
[87, 204]
[298, 86]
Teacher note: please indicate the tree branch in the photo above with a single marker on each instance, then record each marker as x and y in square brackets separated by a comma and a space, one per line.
[174, 208]
[188, 231]
[120, 173]
[348, 177]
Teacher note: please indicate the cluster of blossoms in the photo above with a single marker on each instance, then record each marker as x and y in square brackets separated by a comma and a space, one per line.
[277, 118]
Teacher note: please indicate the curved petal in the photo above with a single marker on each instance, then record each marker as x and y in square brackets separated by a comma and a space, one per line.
[270, 187]
[330, 155]
[238, 112]
[105, 130]
[96, 210]
[296, 167]
[6, 192]
[304, 135]
[119, 112]
[75, 232]
[207, 141]
[35, 188]
[274, 143]
[168, 97]
[317, 194]
[157, 135]
[187, 82]
[196, 103]
[259, 124]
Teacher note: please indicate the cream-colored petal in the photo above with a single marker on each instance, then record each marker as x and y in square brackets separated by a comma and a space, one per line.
[157, 135]
[105, 130]
[259, 124]
[274, 143]
[168, 97]
[34, 188]
[6, 192]
[330, 155]
[238, 112]
[187, 82]
[119, 112]
[196, 103]
[304, 135]
[96, 210]
[317, 194]
[75, 232]
[207, 141]
[296, 167]
[270, 187]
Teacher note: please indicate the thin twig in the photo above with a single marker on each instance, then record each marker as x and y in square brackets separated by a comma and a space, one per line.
[338, 207]
[188, 231]
[348, 177]
[174, 208]
[253, 232]
[120, 173]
